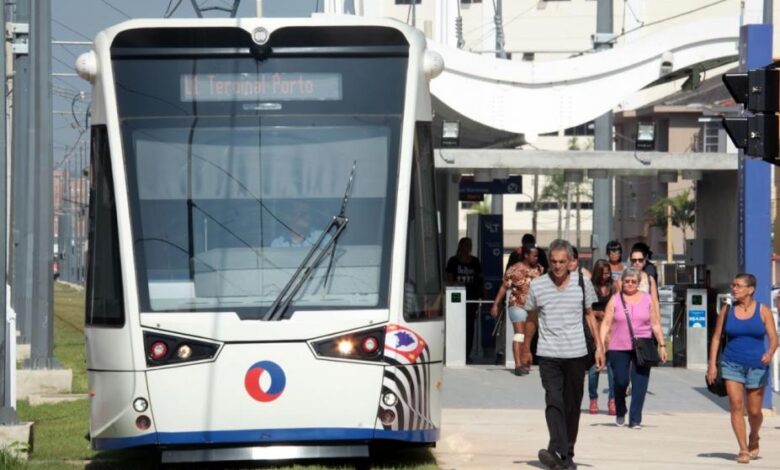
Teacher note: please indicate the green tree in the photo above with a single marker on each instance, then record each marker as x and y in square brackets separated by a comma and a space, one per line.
[555, 191]
[679, 209]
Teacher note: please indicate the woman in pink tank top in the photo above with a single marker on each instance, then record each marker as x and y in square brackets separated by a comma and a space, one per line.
[630, 304]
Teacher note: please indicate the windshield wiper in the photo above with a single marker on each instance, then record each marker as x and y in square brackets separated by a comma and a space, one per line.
[342, 213]
[310, 262]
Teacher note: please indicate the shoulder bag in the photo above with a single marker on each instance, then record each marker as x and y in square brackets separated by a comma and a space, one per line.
[718, 386]
[589, 341]
[645, 348]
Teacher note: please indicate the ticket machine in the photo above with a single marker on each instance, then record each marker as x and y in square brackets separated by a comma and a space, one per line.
[696, 328]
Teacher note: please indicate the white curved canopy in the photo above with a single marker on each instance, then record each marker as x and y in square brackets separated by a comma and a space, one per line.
[534, 98]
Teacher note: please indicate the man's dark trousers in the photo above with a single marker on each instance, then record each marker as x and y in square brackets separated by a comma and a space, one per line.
[563, 381]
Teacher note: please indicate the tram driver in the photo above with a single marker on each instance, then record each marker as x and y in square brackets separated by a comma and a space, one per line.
[297, 229]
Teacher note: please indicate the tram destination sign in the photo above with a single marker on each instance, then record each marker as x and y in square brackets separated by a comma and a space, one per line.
[261, 87]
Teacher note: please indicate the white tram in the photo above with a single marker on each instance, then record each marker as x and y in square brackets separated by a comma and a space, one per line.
[264, 262]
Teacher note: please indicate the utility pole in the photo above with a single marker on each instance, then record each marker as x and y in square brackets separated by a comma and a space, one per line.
[602, 187]
[7, 406]
[40, 135]
[21, 231]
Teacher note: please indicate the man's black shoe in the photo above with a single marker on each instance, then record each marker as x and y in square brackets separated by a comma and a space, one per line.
[550, 460]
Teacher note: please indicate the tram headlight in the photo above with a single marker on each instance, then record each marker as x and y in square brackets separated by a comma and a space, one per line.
[184, 352]
[140, 404]
[143, 422]
[387, 417]
[165, 349]
[389, 399]
[158, 350]
[367, 345]
[345, 346]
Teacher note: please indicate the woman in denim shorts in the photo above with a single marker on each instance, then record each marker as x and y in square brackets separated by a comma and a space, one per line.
[517, 279]
[745, 360]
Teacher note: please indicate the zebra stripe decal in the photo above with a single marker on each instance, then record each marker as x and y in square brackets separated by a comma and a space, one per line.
[407, 376]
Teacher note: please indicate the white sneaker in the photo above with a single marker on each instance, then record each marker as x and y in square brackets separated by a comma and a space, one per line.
[620, 421]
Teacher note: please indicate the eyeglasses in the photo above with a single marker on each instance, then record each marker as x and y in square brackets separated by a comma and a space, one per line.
[630, 281]
[615, 250]
[734, 285]
[637, 260]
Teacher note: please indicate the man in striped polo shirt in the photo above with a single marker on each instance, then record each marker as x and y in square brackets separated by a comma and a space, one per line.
[555, 304]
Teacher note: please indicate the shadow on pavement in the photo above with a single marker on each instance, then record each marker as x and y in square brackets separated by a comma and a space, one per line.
[719, 455]
[530, 463]
[722, 402]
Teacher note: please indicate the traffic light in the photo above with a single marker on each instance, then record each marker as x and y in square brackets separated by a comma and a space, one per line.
[757, 132]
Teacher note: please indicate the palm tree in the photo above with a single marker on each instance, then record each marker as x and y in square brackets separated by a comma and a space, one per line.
[680, 210]
[556, 190]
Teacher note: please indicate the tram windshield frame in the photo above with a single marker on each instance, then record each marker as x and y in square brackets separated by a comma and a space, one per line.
[227, 193]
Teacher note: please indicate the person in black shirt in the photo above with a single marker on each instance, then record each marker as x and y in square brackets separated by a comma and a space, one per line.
[528, 240]
[649, 267]
[465, 269]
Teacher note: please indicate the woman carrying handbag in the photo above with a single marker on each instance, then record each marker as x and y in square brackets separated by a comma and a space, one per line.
[744, 362]
[634, 306]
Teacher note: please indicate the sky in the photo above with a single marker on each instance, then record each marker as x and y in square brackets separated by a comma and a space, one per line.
[81, 20]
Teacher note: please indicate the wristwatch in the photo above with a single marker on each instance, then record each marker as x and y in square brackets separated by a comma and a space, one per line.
[662, 345]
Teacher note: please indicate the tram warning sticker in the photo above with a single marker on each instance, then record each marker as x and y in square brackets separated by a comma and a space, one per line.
[403, 344]
[265, 381]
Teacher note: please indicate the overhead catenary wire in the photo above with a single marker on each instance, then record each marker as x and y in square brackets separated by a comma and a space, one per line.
[170, 11]
[54, 20]
[117, 9]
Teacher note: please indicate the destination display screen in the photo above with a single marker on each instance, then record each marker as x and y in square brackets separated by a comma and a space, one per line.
[261, 87]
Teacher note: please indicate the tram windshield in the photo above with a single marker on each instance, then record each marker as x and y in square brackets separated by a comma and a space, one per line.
[232, 178]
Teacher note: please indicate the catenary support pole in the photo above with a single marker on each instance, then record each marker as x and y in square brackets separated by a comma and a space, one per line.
[21, 231]
[40, 134]
[7, 407]
[602, 187]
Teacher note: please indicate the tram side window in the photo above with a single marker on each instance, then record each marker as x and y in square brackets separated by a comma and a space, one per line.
[105, 303]
[423, 278]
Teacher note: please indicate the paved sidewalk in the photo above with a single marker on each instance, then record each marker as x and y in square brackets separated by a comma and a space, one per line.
[510, 439]
[494, 420]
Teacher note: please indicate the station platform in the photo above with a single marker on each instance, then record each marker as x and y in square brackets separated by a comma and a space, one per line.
[495, 420]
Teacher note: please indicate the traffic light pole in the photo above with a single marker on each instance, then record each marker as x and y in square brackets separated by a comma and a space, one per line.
[754, 249]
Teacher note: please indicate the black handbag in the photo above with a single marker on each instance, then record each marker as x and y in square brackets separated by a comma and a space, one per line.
[646, 349]
[718, 386]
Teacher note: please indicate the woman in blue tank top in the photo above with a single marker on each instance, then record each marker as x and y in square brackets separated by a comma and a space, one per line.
[745, 360]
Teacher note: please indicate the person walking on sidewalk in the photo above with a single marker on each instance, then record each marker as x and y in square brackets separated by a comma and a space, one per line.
[517, 279]
[615, 258]
[604, 287]
[635, 306]
[745, 360]
[555, 305]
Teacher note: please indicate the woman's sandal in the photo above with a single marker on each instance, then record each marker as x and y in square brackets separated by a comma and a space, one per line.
[753, 448]
[743, 457]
